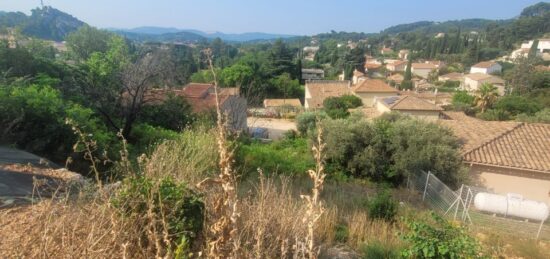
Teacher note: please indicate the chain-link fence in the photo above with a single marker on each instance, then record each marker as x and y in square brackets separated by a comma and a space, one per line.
[459, 205]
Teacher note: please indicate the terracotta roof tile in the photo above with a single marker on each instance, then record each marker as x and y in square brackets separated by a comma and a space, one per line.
[322, 89]
[374, 86]
[485, 64]
[525, 146]
[409, 103]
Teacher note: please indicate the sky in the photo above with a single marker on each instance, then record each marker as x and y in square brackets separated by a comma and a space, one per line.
[296, 17]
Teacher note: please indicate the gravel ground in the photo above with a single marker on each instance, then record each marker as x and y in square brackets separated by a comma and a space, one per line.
[276, 127]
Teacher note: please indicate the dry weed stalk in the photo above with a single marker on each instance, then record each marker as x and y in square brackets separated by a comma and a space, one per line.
[315, 206]
[222, 241]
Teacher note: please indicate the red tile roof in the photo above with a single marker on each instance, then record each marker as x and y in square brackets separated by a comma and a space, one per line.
[374, 86]
[485, 64]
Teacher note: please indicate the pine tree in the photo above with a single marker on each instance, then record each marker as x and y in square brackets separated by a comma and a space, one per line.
[534, 49]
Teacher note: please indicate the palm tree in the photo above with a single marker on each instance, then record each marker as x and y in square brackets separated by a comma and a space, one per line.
[486, 95]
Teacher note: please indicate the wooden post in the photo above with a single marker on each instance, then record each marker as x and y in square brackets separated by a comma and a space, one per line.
[426, 186]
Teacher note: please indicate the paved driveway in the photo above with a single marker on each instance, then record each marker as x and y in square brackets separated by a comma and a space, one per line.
[275, 127]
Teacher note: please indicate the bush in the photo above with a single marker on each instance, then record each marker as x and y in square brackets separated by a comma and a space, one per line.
[463, 99]
[542, 116]
[494, 115]
[383, 206]
[439, 239]
[144, 137]
[392, 147]
[515, 104]
[337, 107]
[307, 121]
[180, 208]
[173, 114]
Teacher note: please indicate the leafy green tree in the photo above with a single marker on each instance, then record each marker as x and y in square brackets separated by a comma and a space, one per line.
[286, 87]
[87, 40]
[280, 59]
[515, 105]
[239, 75]
[521, 77]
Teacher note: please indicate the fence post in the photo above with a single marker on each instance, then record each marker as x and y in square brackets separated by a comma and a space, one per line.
[540, 228]
[426, 186]
[458, 203]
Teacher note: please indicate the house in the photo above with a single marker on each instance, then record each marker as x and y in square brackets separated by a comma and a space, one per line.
[202, 99]
[439, 35]
[370, 89]
[542, 46]
[486, 67]
[371, 67]
[437, 63]
[422, 69]
[309, 52]
[454, 76]
[372, 60]
[404, 54]
[505, 157]
[385, 51]
[312, 74]
[437, 98]
[357, 77]
[409, 105]
[397, 78]
[397, 66]
[317, 91]
[472, 82]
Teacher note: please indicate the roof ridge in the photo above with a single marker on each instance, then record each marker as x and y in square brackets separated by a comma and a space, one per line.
[399, 100]
[487, 142]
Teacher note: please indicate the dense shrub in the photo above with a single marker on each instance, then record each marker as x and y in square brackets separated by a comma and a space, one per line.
[439, 239]
[180, 208]
[307, 121]
[288, 156]
[463, 98]
[392, 147]
[173, 114]
[542, 116]
[145, 136]
[494, 115]
[337, 107]
[383, 206]
[516, 104]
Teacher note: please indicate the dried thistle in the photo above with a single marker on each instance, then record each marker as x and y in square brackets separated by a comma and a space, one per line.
[222, 241]
[315, 207]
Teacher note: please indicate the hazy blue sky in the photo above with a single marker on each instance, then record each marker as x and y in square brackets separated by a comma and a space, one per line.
[275, 16]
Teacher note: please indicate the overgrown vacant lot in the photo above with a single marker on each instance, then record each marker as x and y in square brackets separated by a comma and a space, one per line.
[163, 207]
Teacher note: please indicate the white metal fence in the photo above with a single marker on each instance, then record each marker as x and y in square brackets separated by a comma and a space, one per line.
[459, 205]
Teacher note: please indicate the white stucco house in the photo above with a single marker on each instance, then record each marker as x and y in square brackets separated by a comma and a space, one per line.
[486, 67]
[422, 69]
[472, 82]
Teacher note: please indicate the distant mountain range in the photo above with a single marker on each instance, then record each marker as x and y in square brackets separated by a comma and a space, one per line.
[164, 34]
[436, 27]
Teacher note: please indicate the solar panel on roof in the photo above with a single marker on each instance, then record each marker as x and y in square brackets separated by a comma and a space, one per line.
[390, 100]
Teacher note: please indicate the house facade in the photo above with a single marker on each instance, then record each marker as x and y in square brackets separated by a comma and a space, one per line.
[397, 66]
[422, 69]
[486, 67]
[506, 157]
[312, 74]
[472, 82]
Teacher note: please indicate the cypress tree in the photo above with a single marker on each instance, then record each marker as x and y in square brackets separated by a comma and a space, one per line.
[408, 73]
[534, 49]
